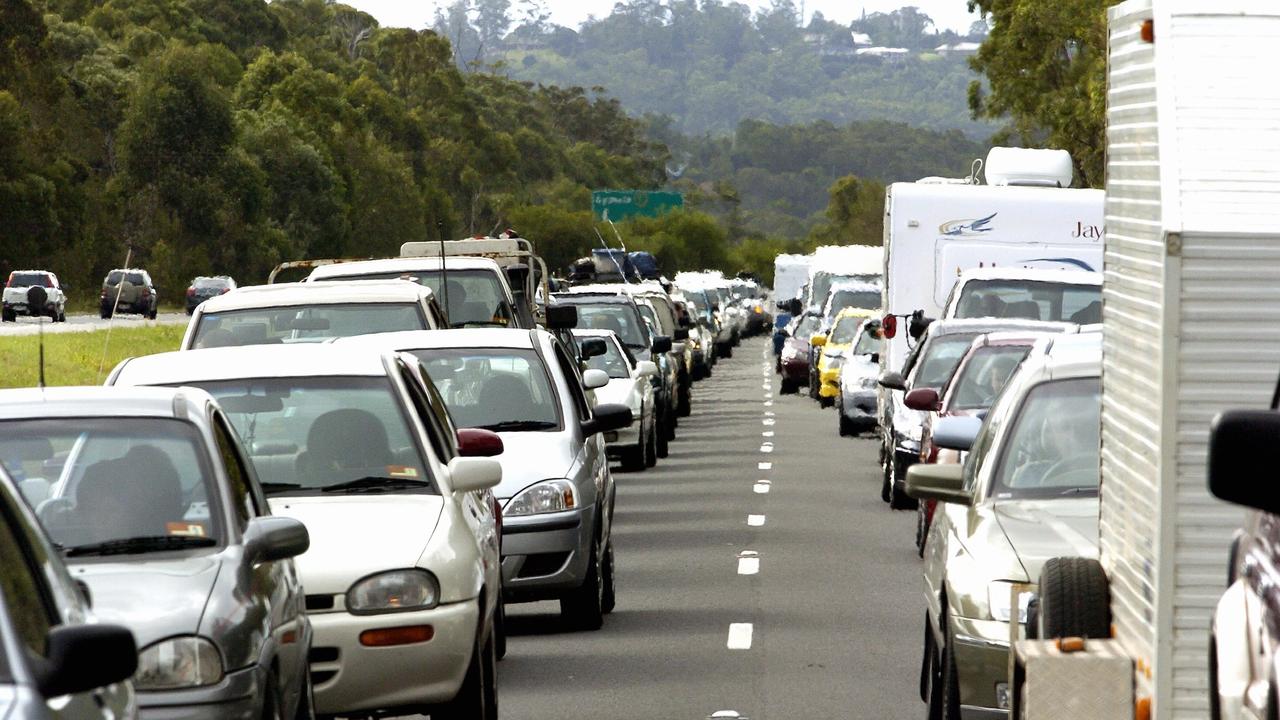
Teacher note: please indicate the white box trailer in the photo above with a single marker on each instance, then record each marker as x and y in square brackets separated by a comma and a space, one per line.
[1191, 314]
[790, 273]
[935, 230]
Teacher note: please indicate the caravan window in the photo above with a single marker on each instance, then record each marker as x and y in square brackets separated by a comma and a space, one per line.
[1030, 300]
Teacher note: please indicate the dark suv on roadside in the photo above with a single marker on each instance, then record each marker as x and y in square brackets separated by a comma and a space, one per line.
[128, 291]
[203, 288]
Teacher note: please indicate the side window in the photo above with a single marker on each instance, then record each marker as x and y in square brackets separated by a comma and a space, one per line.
[442, 441]
[243, 500]
[574, 380]
[26, 596]
[435, 316]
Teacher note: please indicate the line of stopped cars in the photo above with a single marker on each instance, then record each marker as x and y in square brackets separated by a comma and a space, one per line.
[323, 502]
[989, 433]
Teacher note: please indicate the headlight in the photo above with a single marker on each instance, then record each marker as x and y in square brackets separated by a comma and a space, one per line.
[870, 382]
[547, 496]
[394, 591]
[181, 662]
[1000, 599]
[834, 362]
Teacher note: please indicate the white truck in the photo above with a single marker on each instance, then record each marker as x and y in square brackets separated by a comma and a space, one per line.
[1027, 217]
[790, 273]
[1191, 327]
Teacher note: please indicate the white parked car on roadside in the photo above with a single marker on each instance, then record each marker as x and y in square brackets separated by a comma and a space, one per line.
[636, 446]
[311, 312]
[402, 578]
[557, 491]
[16, 295]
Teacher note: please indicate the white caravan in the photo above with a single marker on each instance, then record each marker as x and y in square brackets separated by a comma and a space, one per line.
[790, 273]
[1191, 303]
[830, 263]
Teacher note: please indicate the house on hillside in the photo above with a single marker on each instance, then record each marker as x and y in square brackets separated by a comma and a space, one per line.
[861, 40]
[885, 55]
[960, 49]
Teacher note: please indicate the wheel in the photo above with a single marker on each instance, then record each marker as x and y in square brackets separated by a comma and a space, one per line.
[271, 699]
[1215, 702]
[478, 697]
[926, 661]
[922, 529]
[651, 446]
[62, 317]
[633, 459]
[306, 709]
[1074, 599]
[663, 438]
[9, 316]
[825, 402]
[610, 599]
[500, 630]
[583, 607]
[898, 497]
[727, 352]
[787, 387]
[152, 314]
[684, 404]
[846, 428]
[948, 686]
[887, 485]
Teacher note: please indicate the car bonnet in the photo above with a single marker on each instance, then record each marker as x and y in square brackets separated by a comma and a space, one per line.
[1042, 529]
[530, 457]
[357, 535]
[155, 598]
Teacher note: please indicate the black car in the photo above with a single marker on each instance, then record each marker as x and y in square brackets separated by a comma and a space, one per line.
[203, 288]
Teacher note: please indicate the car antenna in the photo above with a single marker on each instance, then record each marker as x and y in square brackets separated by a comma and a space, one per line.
[115, 304]
[444, 276]
[609, 251]
[37, 297]
[621, 244]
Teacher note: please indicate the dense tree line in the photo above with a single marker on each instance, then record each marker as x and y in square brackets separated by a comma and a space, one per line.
[712, 64]
[228, 135]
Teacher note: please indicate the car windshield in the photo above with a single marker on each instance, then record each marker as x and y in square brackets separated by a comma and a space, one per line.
[111, 480]
[475, 298]
[841, 299]
[806, 327]
[499, 389]
[1053, 447]
[308, 435]
[844, 330]
[216, 283]
[21, 280]
[1030, 300]
[612, 361]
[622, 319]
[940, 358]
[984, 375]
[305, 323]
[870, 341]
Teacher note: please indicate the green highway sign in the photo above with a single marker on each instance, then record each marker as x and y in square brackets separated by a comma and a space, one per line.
[622, 204]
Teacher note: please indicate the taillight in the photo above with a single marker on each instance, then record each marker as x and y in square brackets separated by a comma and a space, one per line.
[224, 291]
[191, 291]
[497, 522]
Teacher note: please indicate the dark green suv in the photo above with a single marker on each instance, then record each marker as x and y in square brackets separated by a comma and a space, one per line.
[128, 291]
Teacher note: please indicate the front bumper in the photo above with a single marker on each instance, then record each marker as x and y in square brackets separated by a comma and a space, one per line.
[545, 556]
[830, 383]
[796, 370]
[981, 650]
[623, 439]
[237, 697]
[350, 677]
[859, 404]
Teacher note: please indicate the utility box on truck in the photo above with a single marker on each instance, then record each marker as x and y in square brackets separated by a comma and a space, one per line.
[1191, 314]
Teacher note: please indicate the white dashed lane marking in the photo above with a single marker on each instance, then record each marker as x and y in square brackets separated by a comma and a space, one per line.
[739, 636]
[761, 486]
[764, 466]
[755, 520]
[748, 562]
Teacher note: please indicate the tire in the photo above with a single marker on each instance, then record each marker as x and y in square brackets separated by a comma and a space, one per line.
[651, 447]
[922, 530]
[1075, 600]
[684, 402]
[727, 351]
[104, 313]
[583, 607]
[8, 316]
[152, 315]
[635, 459]
[62, 317]
[271, 709]
[926, 661]
[787, 387]
[306, 709]
[898, 497]
[846, 428]
[948, 687]
[825, 402]
[500, 630]
[887, 484]
[478, 697]
[662, 444]
[610, 599]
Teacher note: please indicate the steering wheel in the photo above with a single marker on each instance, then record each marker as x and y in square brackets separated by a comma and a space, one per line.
[1063, 469]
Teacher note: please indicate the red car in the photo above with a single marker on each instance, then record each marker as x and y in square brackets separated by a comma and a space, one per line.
[793, 363]
[979, 377]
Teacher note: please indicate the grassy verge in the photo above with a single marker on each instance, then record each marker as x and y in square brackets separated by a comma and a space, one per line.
[73, 358]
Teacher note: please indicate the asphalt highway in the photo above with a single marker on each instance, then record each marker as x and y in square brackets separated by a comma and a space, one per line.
[87, 323]
[759, 574]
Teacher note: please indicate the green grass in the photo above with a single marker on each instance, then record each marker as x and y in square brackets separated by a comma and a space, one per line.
[73, 358]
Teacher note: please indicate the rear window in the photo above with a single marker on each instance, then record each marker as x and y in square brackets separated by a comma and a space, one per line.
[305, 323]
[475, 298]
[1030, 300]
[844, 330]
[940, 359]
[985, 375]
[21, 280]
[211, 282]
[133, 278]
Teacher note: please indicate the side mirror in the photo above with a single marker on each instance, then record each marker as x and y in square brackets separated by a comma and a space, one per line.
[562, 317]
[956, 433]
[593, 347]
[467, 474]
[594, 379]
[478, 442]
[1235, 438]
[645, 368]
[918, 325]
[681, 334]
[795, 306]
[925, 399]
[892, 380]
[607, 417]
[818, 341]
[944, 483]
[84, 657]
[875, 358]
[662, 344]
[890, 326]
[275, 538]
[685, 322]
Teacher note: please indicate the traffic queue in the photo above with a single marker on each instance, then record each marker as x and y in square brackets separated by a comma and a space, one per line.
[321, 504]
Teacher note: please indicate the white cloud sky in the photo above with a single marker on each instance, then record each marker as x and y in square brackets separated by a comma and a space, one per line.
[951, 14]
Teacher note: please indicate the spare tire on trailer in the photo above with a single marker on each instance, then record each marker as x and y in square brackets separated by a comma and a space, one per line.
[1074, 600]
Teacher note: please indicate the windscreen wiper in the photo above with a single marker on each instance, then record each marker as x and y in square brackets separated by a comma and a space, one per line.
[373, 483]
[272, 488]
[1084, 490]
[150, 543]
[518, 425]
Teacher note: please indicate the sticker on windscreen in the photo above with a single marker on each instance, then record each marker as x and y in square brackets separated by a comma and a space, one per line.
[185, 529]
[402, 471]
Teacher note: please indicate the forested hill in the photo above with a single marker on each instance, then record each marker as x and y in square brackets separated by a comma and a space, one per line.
[227, 135]
[709, 65]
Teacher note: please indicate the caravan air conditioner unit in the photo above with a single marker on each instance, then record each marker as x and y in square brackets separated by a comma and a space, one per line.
[1024, 166]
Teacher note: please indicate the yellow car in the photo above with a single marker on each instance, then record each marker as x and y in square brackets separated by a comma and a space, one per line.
[832, 349]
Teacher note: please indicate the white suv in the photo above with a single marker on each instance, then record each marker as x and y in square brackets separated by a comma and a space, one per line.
[16, 294]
